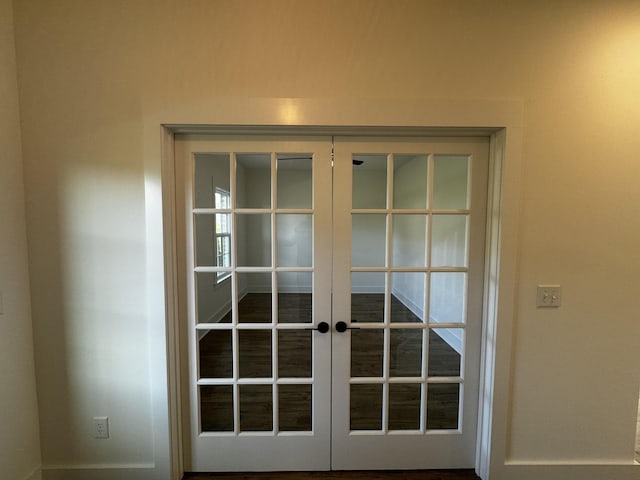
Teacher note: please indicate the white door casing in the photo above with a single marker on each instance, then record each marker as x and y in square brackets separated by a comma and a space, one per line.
[420, 447]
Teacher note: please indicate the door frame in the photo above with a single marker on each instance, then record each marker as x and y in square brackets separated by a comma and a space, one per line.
[500, 268]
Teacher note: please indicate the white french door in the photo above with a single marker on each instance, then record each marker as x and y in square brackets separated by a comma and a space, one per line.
[409, 222]
[330, 291]
[257, 276]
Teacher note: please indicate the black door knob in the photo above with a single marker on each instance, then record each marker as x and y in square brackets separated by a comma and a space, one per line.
[323, 327]
[341, 327]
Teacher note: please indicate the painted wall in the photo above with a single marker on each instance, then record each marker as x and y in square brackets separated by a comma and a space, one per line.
[19, 442]
[90, 72]
[369, 190]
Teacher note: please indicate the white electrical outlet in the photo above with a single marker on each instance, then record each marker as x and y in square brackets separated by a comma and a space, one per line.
[548, 296]
[101, 427]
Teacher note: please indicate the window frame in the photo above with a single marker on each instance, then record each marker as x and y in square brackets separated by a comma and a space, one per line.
[222, 235]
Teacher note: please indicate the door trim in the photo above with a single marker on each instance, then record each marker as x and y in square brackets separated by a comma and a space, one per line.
[501, 243]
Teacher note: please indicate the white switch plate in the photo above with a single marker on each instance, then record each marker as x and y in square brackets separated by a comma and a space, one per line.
[548, 296]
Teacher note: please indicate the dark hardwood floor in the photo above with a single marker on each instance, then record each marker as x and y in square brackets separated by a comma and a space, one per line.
[368, 359]
[351, 475]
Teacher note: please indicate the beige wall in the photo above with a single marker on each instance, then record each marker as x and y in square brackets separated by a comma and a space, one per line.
[90, 72]
[19, 443]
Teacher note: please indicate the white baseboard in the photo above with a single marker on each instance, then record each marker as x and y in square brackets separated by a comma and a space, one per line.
[417, 310]
[566, 471]
[143, 471]
[379, 289]
[35, 475]
[294, 289]
[220, 313]
[448, 336]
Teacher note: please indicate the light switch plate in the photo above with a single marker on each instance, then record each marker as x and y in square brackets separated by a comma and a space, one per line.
[548, 296]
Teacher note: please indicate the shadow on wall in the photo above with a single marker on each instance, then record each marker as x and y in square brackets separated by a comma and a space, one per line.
[90, 322]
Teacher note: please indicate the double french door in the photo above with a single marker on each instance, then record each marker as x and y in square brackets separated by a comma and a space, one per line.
[331, 293]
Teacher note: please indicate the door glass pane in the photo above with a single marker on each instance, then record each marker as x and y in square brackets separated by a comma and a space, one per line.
[367, 352]
[294, 240]
[369, 181]
[213, 240]
[449, 241]
[295, 297]
[215, 354]
[366, 407]
[204, 239]
[410, 181]
[254, 240]
[213, 298]
[253, 180]
[407, 296]
[294, 407]
[409, 240]
[450, 182]
[256, 408]
[404, 406]
[211, 176]
[368, 240]
[448, 297]
[405, 359]
[254, 353]
[216, 408]
[442, 406]
[254, 297]
[445, 347]
[367, 297]
[295, 180]
[294, 353]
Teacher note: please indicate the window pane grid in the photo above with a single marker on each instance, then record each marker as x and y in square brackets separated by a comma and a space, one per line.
[229, 215]
[428, 417]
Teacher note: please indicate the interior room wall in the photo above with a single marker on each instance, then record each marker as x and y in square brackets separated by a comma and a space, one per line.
[91, 71]
[409, 234]
[294, 231]
[368, 230]
[19, 442]
[86, 229]
[449, 244]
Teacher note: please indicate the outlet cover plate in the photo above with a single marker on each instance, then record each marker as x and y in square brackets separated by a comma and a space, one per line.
[101, 427]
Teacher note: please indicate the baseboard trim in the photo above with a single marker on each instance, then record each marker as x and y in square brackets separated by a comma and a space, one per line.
[35, 475]
[135, 471]
[446, 334]
[567, 471]
[407, 302]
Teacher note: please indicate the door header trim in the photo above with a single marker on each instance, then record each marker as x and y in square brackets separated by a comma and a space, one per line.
[337, 130]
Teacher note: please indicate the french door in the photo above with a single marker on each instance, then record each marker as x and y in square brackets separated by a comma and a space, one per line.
[331, 295]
